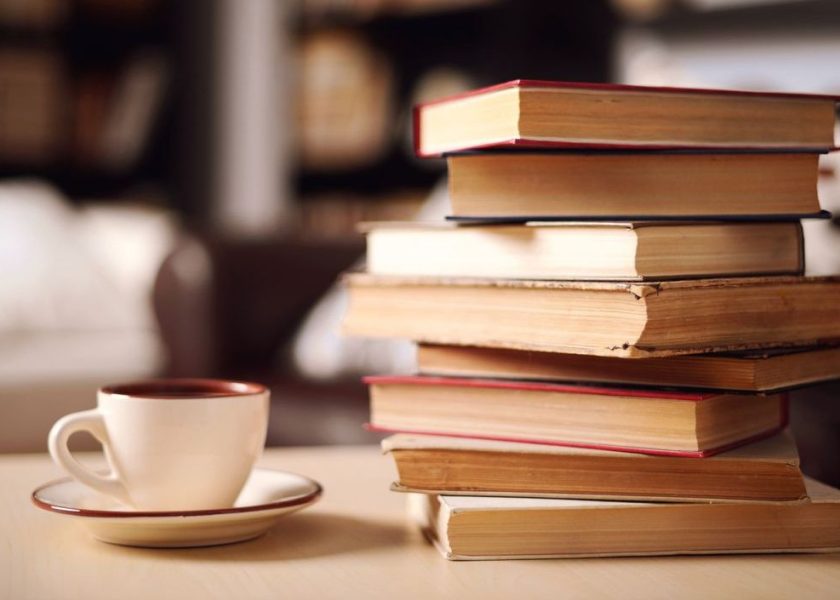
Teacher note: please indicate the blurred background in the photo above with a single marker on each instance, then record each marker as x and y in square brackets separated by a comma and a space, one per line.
[180, 181]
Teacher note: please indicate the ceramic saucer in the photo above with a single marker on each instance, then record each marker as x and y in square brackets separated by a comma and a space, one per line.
[267, 496]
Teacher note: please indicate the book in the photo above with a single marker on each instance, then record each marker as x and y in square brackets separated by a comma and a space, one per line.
[767, 470]
[482, 528]
[757, 371]
[134, 107]
[34, 95]
[553, 114]
[624, 251]
[614, 186]
[634, 320]
[647, 421]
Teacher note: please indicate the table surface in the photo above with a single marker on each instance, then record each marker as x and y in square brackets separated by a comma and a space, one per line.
[355, 543]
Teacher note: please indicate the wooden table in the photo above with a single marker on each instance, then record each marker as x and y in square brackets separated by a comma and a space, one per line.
[355, 543]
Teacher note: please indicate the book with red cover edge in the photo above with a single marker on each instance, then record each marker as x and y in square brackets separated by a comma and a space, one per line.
[542, 144]
[580, 389]
[586, 85]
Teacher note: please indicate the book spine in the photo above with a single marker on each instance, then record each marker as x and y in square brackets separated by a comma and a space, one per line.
[415, 130]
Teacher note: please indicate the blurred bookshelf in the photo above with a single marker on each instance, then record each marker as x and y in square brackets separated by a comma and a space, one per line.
[100, 97]
[83, 89]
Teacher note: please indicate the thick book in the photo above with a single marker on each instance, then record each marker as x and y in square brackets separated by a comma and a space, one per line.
[486, 528]
[553, 114]
[633, 320]
[756, 371]
[588, 251]
[646, 421]
[766, 470]
[521, 186]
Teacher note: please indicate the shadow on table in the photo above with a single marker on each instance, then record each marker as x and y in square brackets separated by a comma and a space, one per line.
[300, 537]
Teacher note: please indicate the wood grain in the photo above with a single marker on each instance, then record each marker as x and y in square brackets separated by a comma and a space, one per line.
[354, 544]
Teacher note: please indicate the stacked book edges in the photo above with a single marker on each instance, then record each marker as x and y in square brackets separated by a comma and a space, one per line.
[764, 471]
[634, 320]
[608, 323]
[481, 528]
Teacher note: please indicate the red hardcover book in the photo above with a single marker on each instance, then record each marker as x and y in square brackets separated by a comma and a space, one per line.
[552, 114]
[647, 421]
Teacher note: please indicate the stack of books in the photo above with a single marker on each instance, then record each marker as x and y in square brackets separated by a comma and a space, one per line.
[608, 323]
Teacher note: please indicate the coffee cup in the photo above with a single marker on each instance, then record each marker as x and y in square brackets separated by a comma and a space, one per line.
[171, 444]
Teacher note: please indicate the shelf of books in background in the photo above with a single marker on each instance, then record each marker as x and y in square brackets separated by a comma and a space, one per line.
[349, 149]
[346, 136]
[611, 314]
[34, 93]
[82, 87]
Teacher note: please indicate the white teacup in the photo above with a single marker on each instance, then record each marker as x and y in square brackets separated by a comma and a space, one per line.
[176, 444]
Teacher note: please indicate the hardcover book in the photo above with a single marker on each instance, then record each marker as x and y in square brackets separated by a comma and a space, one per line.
[595, 251]
[756, 371]
[634, 320]
[485, 528]
[521, 186]
[766, 470]
[646, 421]
[553, 114]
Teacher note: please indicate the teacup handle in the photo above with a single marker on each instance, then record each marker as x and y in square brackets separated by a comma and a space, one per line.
[92, 422]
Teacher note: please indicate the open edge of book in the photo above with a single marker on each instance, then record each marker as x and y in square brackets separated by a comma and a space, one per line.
[527, 113]
[766, 470]
[648, 421]
[633, 320]
[653, 185]
[789, 523]
[628, 251]
[763, 371]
